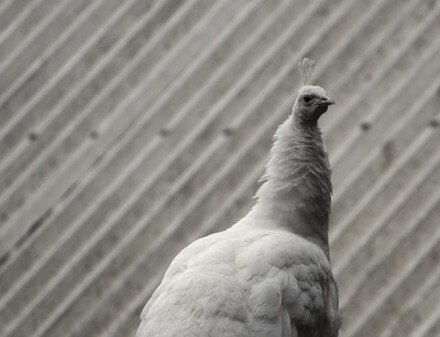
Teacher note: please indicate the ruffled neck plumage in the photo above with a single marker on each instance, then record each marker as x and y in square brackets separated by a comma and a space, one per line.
[296, 190]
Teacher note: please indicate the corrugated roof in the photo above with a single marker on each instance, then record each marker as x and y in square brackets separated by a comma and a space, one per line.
[130, 128]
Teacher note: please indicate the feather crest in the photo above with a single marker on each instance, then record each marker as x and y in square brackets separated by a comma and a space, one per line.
[305, 67]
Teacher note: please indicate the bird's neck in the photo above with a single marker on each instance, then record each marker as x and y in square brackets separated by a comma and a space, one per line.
[296, 193]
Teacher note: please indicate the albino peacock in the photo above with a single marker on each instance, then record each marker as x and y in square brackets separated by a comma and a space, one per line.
[270, 273]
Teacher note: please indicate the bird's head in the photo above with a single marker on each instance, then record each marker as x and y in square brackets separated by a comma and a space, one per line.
[312, 101]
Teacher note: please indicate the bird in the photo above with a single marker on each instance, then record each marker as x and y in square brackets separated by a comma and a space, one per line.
[270, 273]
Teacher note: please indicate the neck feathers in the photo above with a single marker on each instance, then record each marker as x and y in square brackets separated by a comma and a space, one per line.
[296, 193]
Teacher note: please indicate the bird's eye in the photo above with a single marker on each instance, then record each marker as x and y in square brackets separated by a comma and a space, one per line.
[307, 98]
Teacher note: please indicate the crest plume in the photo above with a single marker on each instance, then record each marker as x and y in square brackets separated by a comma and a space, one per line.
[305, 67]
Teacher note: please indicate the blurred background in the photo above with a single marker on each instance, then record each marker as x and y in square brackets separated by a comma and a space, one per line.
[129, 128]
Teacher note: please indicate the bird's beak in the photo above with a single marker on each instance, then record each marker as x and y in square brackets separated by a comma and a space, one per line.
[327, 101]
[330, 101]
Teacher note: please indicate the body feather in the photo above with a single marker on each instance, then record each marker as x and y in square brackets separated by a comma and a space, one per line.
[260, 283]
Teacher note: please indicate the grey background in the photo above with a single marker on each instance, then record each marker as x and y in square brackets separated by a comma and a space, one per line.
[130, 128]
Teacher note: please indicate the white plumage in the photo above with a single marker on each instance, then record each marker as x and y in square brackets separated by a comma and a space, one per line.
[270, 273]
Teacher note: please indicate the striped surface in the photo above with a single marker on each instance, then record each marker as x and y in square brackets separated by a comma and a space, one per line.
[130, 128]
